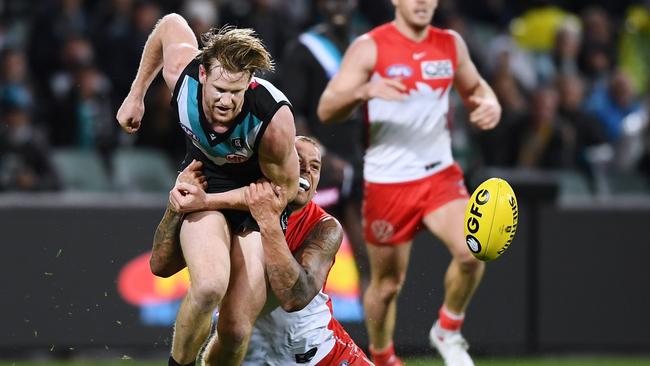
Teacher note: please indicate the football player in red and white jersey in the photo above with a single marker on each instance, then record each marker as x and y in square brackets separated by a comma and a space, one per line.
[296, 327]
[402, 73]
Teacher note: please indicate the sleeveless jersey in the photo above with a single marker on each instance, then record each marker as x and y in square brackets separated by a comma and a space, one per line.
[303, 337]
[230, 158]
[409, 139]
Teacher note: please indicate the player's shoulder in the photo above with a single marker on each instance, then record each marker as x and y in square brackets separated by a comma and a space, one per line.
[264, 99]
[324, 218]
[382, 31]
[445, 33]
[189, 71]
[263, 89]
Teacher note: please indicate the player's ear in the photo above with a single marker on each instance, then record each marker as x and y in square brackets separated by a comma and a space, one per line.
[203, 75]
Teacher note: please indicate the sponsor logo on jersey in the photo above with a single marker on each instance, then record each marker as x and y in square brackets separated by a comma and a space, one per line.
[441, 69]
[399, 71]
[418, 55]
[236, 158]
[189, 132]
[237, 142]
[382, 230]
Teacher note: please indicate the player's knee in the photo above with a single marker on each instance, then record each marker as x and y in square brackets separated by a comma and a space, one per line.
[469, 264]
[207, 295]
[159, 268]
[389, 288]
[234, 334]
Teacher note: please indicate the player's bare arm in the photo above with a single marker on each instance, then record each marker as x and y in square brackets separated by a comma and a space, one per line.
[278, 156]
[352, 86]
[478, 97]
[166, 255]
[170, 47]
[294, 280]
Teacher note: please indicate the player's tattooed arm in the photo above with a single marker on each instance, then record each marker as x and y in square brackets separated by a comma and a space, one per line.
[295, 281]
[166, 254]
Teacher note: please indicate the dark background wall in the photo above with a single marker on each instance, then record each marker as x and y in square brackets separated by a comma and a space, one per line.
[61, 264]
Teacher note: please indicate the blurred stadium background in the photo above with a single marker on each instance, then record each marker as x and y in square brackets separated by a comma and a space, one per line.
[79, 199]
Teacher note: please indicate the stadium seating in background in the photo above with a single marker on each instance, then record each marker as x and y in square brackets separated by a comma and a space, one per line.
[142, 170]
[631, 183]
[81, 170]
[573, 184]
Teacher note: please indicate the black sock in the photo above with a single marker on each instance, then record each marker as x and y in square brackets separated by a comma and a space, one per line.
[173, 362]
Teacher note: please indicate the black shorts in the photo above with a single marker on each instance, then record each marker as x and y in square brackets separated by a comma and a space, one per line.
[239, 221]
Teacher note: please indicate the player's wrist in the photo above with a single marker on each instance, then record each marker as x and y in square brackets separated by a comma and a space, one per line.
[269, 223]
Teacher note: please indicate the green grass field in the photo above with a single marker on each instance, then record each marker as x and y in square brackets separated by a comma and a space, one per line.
[544, 361]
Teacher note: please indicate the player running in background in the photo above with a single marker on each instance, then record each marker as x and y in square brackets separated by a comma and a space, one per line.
[403, 72]
[241, 128]
[297, 328]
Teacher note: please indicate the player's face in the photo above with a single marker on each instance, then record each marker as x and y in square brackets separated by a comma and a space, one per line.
[223, 93]
[416, 13]
[310, 164]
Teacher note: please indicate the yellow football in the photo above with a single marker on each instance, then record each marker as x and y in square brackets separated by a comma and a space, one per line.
[491, 219]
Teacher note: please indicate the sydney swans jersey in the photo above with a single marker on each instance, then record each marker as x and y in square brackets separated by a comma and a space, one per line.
[303, 337]
[230, 156]
[410, 139]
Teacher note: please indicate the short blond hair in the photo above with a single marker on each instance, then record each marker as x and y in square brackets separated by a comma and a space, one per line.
[313, 141]
[236, 50]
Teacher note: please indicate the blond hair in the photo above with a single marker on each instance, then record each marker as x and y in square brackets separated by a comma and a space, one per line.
[313, 141]
[235, 49]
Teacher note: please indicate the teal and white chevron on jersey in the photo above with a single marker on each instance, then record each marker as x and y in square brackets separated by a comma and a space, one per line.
[239, 143]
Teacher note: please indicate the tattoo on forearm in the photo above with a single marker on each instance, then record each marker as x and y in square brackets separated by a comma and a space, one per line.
[166, 242]
[297, 282]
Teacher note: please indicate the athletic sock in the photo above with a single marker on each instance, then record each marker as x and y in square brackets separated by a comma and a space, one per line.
[385, 356]
[173, 362]
[449, 321]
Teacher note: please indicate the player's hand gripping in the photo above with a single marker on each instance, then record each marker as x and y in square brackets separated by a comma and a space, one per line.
[266, 202]
[383, 88]
[188, 194]
[486, 112]
[193, 174]
[130, 113]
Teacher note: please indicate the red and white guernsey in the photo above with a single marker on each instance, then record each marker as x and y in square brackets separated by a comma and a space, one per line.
[303, 337]
[409, 139]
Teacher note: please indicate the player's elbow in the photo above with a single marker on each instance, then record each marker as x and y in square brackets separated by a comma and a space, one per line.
[294, 305]
[325, 114]
[158, 267]
[172, 19]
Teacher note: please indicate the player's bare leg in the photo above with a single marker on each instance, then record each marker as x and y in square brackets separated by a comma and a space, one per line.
[388, 265]
[465, 271]
[205, 240]
[461, 280]
[240, 307]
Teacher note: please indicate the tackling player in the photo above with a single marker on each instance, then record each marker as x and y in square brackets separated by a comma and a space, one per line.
[299, 328]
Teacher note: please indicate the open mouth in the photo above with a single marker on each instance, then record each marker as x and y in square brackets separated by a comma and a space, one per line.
[303, 184]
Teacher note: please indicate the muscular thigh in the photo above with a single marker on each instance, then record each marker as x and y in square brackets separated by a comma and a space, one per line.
[205, 240]
[247, 288]
[446, 222]
[389, 261]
